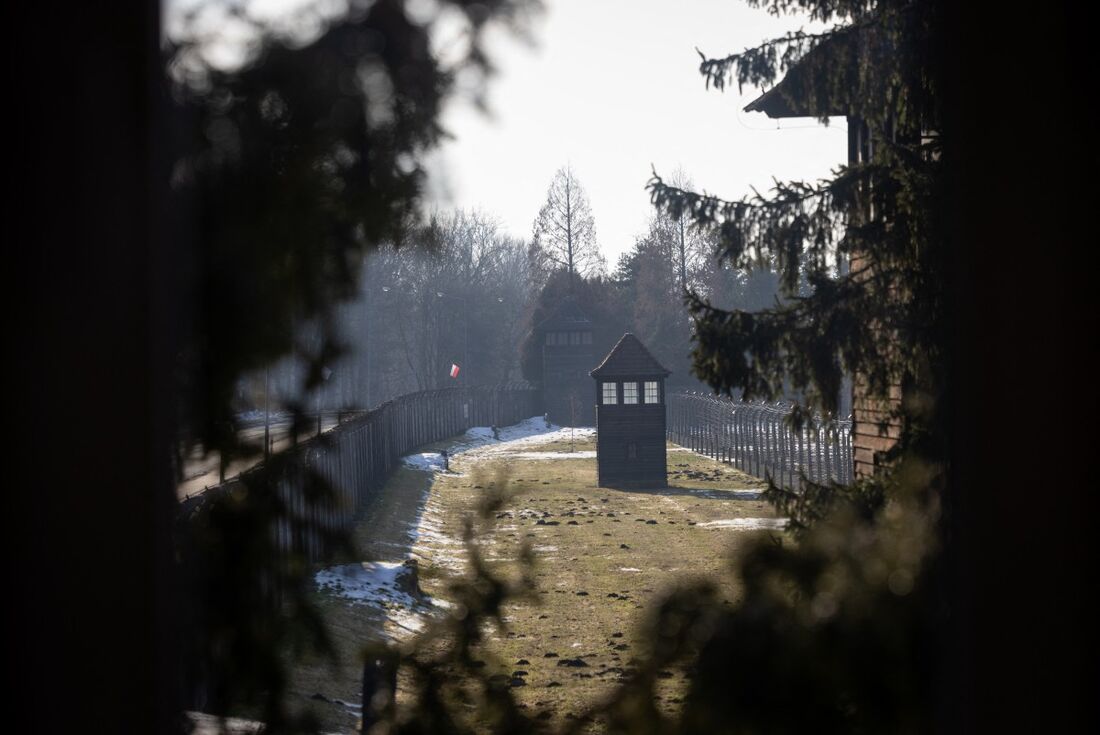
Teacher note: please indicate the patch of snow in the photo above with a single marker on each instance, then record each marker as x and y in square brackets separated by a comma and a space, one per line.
[479, 441]
[204, 724]
[374, 583]
[532, 428]
[748, 524]
[527, 433]
[256, 417]
[428, 461]
[368, 581]
[629, 569]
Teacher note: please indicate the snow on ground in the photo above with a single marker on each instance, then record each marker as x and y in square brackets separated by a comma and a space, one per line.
[255, 417]
[375, 583]
[204, 724]
[517, 441]
[427, 461]
[748, 524]
[528, 432]
[478, 442]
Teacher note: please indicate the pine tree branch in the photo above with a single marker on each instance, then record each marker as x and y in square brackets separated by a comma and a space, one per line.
[758, 64]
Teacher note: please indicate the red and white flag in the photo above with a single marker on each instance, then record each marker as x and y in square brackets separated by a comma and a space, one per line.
[454, 370]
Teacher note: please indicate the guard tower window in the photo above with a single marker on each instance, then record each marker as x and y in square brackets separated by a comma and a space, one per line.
[610, 396]
[630, 392]
[652, 393]
[574, 338]
[550, 338]
[586, 338]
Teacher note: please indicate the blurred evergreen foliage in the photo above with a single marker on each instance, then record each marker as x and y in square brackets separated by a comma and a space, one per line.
[296, 161]
[306, 164]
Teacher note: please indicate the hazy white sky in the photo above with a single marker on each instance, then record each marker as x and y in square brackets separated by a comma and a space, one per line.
[611, 87]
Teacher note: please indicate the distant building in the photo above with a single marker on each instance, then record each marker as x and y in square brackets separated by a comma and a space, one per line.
[630, 417]
[567, 356]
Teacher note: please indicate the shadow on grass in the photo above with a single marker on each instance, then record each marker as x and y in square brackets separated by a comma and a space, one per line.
[386, 531]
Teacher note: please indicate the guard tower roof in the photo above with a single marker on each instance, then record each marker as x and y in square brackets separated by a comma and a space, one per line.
[629, 358]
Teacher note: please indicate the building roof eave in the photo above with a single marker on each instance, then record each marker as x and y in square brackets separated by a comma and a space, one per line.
[785, 100]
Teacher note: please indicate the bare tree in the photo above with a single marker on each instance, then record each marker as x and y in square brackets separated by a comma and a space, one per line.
[461, 294]
[688, 247]
[565, 230]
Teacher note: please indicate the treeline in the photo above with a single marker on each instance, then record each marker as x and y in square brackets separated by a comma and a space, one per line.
[462, 292]
[457, 292]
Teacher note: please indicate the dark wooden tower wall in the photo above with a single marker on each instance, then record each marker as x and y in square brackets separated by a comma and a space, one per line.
[630, 417]
[567, 356]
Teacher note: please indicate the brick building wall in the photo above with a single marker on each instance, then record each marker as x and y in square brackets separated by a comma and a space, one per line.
[874, 427]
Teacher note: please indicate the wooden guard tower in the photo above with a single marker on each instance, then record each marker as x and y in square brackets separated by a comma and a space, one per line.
[567, 356]
[630, 417]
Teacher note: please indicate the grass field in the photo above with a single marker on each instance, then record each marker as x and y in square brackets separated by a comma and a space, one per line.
[601, 557]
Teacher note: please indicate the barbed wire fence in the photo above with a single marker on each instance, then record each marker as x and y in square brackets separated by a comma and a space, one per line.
[757, 439]
[356, 456]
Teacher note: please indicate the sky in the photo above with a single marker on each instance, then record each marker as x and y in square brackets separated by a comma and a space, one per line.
[612, 88]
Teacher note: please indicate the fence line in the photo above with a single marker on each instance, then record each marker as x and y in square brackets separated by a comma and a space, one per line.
[755, 438]
[357, 456]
